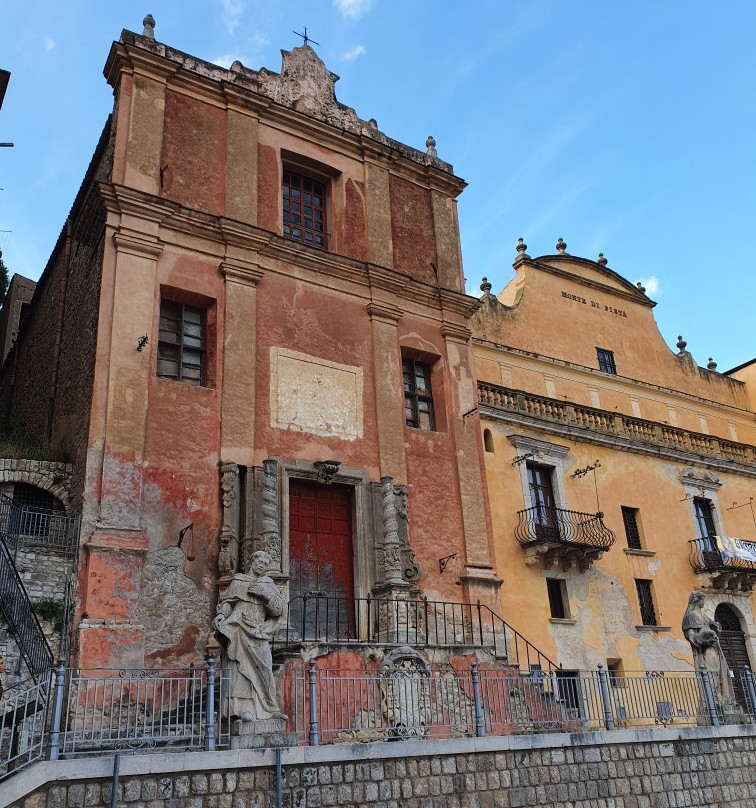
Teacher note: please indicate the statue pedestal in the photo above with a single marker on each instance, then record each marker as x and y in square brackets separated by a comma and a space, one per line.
[261, 734]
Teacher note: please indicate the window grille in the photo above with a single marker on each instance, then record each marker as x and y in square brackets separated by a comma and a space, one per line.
[632, 532]
[646, 602]
[181, 343]
[418, 400]
[303, 209]
[606, 361]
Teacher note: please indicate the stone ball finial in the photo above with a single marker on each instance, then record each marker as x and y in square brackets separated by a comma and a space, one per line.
[681, 344]
[601, 260]
[641, 287]
[521, 248]
[561, 246]
[711, 365]
[485, 287]
[430, 146]
[149, 27]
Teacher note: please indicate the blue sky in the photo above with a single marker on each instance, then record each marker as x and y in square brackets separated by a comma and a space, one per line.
[623, 127]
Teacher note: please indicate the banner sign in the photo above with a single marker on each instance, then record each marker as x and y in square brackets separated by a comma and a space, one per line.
[737, 548]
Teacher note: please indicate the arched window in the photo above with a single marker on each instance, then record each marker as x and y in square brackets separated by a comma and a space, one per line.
[488, 440]
[727, 618]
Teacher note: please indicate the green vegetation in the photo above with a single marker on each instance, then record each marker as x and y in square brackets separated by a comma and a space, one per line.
[17, 446]
[51, 611]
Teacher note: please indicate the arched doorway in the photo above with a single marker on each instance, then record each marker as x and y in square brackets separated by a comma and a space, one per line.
[733, 642]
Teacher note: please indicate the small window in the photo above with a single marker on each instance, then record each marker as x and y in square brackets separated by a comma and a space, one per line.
[632, 530]
[616, 673]
[304, 206]
[418, 400]
[181, 343]
[646, 602]
[557, 589]
[704, 518]
[606, 361]
[488, 441]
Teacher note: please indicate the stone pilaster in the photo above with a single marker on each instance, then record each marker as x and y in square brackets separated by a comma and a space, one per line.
[378, 203]
[479, 577]
[387, 369]
[239, 363]
[449, 264]
[241, 161]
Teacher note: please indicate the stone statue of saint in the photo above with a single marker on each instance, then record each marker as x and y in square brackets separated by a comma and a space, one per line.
[703, 636]
[247, 619]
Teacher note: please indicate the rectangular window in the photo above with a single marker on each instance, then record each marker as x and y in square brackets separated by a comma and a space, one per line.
[606, 361]
[181, 343]
[646, 602]
[557, 590]
[418, 400]
[704, 518]
[632, 531]
[543, 504]
[304, 209]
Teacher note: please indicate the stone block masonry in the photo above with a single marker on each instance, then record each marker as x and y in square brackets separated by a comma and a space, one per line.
[664, 768]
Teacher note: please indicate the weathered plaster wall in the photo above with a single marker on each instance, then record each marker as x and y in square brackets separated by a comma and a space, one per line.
[412, 229]
[603, 602]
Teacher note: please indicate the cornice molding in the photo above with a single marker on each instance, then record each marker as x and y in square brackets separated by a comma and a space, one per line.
[453, 332]
[126, 243]
[384, 313]
[246, 275]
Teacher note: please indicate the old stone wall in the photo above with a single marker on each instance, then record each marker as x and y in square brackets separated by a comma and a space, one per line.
[46, 382]
[665, 768]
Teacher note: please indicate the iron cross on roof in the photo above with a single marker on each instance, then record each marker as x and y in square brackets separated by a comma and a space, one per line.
[305, 37]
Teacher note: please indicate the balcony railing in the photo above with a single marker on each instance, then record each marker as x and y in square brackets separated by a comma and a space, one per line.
[705, 556]
[320, 618]
[604, 421]
[27, 528]
[558, 526]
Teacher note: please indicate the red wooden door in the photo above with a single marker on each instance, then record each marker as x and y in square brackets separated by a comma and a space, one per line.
[321, 560]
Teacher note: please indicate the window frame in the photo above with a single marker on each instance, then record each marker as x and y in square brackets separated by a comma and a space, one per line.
[293, 171]
[634, 542]
[648, 596]
[413, 398]
[703, 515]
[556, 589]
[180, 344]
[606, 361]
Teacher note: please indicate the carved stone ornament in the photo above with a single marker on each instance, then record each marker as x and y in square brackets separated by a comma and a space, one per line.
[270, 534]
[228, 554]
[700, 479]
[410, 568]
[327, 470]
[392, 556]
[405, 693]
[308, 86]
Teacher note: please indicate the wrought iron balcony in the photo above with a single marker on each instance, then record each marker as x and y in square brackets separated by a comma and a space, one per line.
[724, 571]
[568, 537]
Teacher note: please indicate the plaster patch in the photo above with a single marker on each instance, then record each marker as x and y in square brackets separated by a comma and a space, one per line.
[309, 394]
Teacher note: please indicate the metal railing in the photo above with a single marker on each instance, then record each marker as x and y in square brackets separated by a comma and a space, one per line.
[420, 623]
[560, 526]
[19, 615]
[27, 528]
[23, 723]
[705, 556]
[330, 706]
[69, 713]
[143, 709]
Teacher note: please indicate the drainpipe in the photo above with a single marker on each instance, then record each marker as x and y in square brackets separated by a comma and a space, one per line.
[114, 781]
[279, 782]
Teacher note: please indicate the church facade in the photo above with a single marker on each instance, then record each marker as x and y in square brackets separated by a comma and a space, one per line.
[263, 345]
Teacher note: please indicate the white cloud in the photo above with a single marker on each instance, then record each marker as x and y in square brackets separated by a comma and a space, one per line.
[232, 11]
[353, 8]
[49, 45]
[250, 55]
[653, 287]
[350, 55]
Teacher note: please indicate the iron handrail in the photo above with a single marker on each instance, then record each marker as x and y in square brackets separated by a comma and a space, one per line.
[560, 526]
[19, 614]
[705, 556]
[28, 528]
[323, 618]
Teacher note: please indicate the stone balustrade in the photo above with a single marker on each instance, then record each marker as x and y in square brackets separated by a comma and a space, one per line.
[611, 423]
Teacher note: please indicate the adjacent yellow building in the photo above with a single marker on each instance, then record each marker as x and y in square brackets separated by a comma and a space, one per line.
[613, 463]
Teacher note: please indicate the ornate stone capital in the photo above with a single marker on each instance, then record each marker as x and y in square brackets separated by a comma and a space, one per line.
[249, 276]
